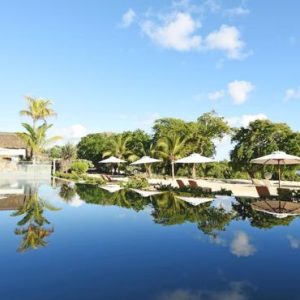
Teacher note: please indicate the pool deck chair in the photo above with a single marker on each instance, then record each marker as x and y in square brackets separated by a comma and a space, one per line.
[194, 185]
[263, 191]
[180, 183]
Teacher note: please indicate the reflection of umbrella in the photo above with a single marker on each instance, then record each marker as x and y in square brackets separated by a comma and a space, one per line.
[112, 160]
[279, 209]
[111, 188]
[146, 194]
[277, 158]
[194, 159]
[195, 200]
[146, 160]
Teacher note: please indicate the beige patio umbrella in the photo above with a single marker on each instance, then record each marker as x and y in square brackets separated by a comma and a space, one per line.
[147, 161]
[112, 160]
[279, 209]
[194, 159]
[277, 158]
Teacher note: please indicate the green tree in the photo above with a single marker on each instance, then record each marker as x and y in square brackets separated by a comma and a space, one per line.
[92, 146]
[260, 138]
[138, 142]
[118, 147]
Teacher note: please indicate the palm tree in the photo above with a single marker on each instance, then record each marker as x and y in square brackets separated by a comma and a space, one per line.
[170, 147]
[38, 109]
[36, 139]
[68, 154]
[151, 151]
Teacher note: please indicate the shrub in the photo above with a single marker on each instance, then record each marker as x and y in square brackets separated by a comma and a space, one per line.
[137, 182]
[80, 167]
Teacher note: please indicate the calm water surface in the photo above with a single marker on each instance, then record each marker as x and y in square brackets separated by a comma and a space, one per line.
[82, 242]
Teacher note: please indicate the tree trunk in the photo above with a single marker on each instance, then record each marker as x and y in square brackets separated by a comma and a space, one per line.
[173, 170]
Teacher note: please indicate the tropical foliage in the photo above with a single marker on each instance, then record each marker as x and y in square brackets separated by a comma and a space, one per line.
[35, 135]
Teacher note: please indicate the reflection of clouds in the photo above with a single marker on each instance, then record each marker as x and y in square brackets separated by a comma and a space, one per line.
[223, 202]
[217, 240]
[235, 291]
[241, 245]
[76, 201]
[294, 242]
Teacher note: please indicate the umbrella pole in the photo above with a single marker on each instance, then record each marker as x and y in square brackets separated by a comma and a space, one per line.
[194, 171]
[279, 174]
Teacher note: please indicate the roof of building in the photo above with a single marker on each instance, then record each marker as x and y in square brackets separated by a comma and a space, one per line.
[12, 202]
[11, 140]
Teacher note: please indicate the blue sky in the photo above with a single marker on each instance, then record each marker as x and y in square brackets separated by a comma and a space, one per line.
[118, 65]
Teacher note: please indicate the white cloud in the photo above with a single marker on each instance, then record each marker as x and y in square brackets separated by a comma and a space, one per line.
[245, 120]
[294, 242]
[292, 94]
[216, 95]
[178, 32]
[240, 90]
[241, 245]
[71, 134]
[128, 18]
[212, 5]
[228, 39]
[237, 11]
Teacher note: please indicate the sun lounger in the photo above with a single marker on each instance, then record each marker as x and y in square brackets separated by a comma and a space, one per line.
[194, 185]
[262, 189]
[180, 183]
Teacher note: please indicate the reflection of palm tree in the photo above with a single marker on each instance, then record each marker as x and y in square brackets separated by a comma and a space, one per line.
[33, 237]
[35, 233]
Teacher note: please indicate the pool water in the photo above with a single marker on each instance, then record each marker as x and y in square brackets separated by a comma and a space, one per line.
[67, 241]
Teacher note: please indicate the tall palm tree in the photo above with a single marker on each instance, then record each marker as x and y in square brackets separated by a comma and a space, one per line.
[151, 151]
[119, 149]
[169, 148]
[38, 109]
[36, 138]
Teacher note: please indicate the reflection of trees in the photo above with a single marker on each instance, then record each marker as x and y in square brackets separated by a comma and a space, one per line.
[67, 192]
[31, 226]
[123, 198]
[256, 218]
[169, 210]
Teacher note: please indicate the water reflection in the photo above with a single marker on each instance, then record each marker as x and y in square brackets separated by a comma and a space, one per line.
[23, 198]
[259, 219]
[32, 226]
[235, 290]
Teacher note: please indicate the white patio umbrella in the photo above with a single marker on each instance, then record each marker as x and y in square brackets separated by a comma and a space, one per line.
[146, 160]
[194, 159]
[277, 158]
[112, 160]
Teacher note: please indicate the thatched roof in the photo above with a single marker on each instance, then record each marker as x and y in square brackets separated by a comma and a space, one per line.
[11, 140]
